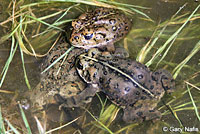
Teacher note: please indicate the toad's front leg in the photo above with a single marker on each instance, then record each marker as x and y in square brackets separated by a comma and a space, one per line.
[78, 100]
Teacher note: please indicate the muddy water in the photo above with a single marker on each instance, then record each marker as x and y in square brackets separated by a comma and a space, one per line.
[161, 10]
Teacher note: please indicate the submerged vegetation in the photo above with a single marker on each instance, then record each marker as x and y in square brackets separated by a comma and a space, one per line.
[36, 26]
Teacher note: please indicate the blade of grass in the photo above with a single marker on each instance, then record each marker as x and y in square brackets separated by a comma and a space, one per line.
[40, 128]
[56, 24]
[192, 85]
[145, 50]
[123, 4]
[6, 91]
[180, 66]
[62, 56]
[65, 13]
[25, 120]
[35, 4]
[102, 104]
[23, 65]
[109, 115]
[43, 22]
[175, 115]
[26, 39]
[103, 4]
[194, 105]
[55, 129]
[22, 56]
[64, 59]
[22, 46]
[126, 127]
[161, 49]
[11, 18]
[141, 13]
[166, 51]
[105, 127]
[19, 38]
[9, 60]
[108, 112]
[12, 127]
[6, 37]
[180, 109]
[183, 105]
[10, 55]
[87, 2]
[2, 127]
[45, 17]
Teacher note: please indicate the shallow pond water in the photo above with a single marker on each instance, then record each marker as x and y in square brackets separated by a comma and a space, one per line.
[160, 11]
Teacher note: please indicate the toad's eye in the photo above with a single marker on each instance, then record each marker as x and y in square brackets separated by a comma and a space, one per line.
[88, 36]
[76, 37]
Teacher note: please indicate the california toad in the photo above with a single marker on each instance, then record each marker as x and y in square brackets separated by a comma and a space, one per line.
[62, 78]
[61, 81]
[98, 28]
[127, 83]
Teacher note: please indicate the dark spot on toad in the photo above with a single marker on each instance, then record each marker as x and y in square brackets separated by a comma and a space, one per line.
[137, 93]
[127, 89]
[139, 114]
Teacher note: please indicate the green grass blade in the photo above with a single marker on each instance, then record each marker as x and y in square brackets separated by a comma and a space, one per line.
[180, 109]
[21, 52]
[2, 127]
[105, 127]
[102, 104]
[87, 2]
[123, 4]
[180, 66]
[65, 13]
[24, 68]
[84, 2]
[184, 105]
[166, 51]
[9, 60]
[46, 17]
[63, 22]
[6, 37]
[41, 129]
[139, 12]
[176, 116]
[161, 49]
[146, 49]
[194, 105]
[58, 128]
[56, 24]
[107, 113]
[12, 127]
[62, 56]
[39, 20]
[132, 125]
[25, 120]
[10, 55]
[34, 4]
